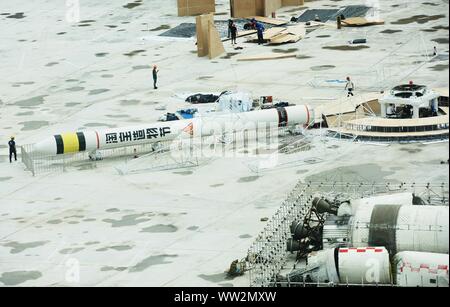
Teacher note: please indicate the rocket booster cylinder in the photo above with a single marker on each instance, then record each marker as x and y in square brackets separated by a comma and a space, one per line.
[92, 140]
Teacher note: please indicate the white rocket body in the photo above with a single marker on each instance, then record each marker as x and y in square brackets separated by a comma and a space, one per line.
[92, 140]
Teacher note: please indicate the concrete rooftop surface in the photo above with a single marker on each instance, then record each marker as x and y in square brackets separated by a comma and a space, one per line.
[97, 227]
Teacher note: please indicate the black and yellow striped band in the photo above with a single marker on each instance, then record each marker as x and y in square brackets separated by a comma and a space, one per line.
[70, 143]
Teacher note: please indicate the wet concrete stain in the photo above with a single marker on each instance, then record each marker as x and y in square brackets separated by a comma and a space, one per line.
[98, 91]
[71, 251]
[205, 77]
[439, 67]
[390, 31]
[118, 248]
[55, 222]
[51, 64]
[248, 179]
[441, 27]
[420, 19]
[19, 277]
[290, 50]
[101, 54]
[129, 102]
[72, 104]
[133, 53]
[441, 40]
[215, 278]
[33, 125]
[17, 15]
[161, 27]
[110, 268]
[31, 102]
[193, 228]
[430, 3]
[246, 236]
[186, 173]
[322, 67]
[160, 228]
[75, 89]
[151, 261]
[17, 247]
[25, 113]
[139, 67]
[91, 243]
[217, 185]
[230, 55]
[132, 5]
[411, 150]
[92, 125]
[5, 178]
[89, 220]
[303, 57]
[128, 220]
[353, 173]
[111, 210]
[346, 47]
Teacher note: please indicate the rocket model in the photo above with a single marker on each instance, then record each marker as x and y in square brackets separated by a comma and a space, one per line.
[91, 140]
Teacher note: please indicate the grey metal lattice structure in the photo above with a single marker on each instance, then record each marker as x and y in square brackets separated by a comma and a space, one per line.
[267, 256]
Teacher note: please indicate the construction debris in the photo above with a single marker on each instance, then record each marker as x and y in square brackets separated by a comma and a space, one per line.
[282, 35]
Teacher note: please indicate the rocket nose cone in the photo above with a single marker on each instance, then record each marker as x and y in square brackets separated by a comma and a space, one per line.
[45, 147]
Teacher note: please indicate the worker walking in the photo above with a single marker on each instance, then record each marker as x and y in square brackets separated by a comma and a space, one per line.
[233, 30]
[155, 76]
[350, 87]
[260, 29]
[12, 150]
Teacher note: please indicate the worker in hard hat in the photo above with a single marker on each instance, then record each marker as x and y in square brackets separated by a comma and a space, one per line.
[350, 87]
[155, 76]
[12, 149]
[260, 29]
[233, 33]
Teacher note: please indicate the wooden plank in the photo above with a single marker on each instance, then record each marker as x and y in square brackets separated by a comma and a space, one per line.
[202, 22]
[270, 56]
[215, 45]
[272, 32]
[360, 22]
[288, 38]
[271, 21]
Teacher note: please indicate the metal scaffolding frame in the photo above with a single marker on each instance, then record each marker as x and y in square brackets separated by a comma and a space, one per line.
[268, 254]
